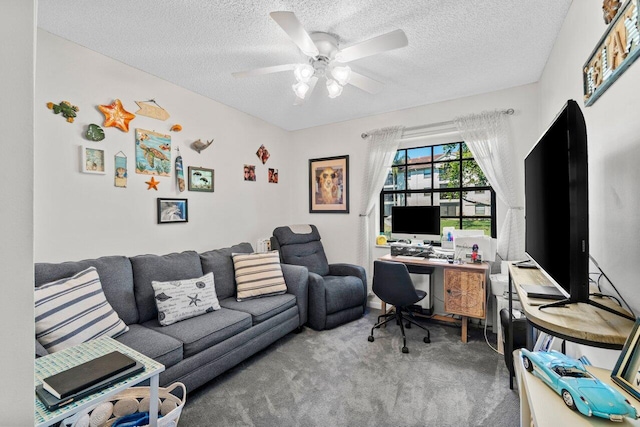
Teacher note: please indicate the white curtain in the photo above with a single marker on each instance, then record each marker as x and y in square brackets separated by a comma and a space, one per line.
[487, 136]
[382, 145]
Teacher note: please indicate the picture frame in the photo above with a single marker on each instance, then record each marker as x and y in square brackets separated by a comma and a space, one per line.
[201, 179]
[172, 210]
[626, 373]
[92, 160]
[329, 185]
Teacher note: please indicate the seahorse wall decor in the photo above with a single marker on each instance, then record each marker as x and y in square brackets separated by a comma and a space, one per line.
[199, 145]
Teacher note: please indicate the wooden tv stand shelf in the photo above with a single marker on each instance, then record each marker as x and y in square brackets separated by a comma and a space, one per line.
[580, 323]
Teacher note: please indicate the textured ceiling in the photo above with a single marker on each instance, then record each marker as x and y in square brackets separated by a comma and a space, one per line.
[456, 48]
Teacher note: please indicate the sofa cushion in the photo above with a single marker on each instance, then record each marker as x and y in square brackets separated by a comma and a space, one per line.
[258, 275]
[202, 332]
[115, 274]
[220, 263]
[342, 292]
[147, 268]
[181, 299]
[74, 310]
[261, 309]
[158, 346]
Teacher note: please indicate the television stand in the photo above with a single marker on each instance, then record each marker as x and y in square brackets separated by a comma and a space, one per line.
[565, 302]
[586, 324]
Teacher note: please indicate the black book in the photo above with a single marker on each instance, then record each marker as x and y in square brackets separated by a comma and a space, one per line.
[543, 292]
[78, 378]
[52, 403]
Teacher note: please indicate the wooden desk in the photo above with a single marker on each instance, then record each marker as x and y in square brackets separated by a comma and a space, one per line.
[540, 406]
[465, 288]
[580, 323]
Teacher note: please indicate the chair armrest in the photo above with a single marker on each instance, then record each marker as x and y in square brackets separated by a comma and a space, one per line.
[297, 280]
[348, 270]
[351, 270]
[317, 302]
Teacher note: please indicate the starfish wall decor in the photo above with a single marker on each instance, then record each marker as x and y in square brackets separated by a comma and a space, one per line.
[152, 183]
[116, 116]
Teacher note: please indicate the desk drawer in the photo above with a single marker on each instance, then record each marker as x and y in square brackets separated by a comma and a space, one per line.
[464, 292]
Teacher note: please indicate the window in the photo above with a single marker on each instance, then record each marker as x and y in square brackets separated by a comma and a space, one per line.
[441, 175]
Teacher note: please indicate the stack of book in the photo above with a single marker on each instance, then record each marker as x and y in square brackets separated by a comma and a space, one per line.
[85, 379]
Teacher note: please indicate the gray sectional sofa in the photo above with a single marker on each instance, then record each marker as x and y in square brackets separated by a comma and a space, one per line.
[198, 349]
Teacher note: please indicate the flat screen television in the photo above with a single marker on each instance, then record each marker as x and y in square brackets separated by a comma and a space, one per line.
[557, 203]
[415, 222]
[557, 206]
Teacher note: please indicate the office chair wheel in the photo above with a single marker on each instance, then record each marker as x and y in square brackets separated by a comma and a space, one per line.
[405, 349]
[407, 325]
[371, 339]
[427, 340]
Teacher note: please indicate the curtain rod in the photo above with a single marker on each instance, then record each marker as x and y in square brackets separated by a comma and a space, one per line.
[509, 112]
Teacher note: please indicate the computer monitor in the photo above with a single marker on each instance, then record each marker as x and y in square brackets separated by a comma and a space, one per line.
[415, 223]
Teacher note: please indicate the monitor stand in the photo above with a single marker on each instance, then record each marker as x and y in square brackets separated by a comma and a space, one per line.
[567, 301]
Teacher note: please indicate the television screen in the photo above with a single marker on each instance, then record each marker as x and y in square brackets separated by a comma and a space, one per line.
[556, 203]
[424, 220]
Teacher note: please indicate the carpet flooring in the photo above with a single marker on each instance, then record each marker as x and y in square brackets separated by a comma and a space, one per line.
[338, 378]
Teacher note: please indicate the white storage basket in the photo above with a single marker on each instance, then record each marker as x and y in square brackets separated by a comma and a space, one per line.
[130, 401]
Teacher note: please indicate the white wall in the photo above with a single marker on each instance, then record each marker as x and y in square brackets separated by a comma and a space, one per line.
[17, 30]
[613, 132]
[340, 231]
[80, 216]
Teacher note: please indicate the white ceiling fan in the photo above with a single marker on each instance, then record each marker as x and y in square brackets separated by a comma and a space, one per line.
[325, 59]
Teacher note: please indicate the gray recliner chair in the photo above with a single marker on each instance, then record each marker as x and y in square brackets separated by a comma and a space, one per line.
[337, 292]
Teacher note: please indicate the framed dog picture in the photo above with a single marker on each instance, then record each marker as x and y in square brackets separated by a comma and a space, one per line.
[329, 185]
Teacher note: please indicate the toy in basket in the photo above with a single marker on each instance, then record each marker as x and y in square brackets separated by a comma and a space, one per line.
[131, 401]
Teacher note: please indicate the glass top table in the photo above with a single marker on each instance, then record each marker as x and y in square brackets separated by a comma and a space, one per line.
[69, 357]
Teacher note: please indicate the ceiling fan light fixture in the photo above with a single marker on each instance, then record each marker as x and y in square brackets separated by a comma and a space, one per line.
[300, 89]
[334, 88]
[341, 74]
[303, 72]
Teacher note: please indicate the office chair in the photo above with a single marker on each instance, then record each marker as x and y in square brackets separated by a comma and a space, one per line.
[393, 285]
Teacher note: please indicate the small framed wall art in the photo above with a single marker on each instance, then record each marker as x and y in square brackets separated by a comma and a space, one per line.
[200, 179]
[249, 172]
[273, 176]
[92, 160]
[172, 210]
[329, 185]
[120, 164]
[627, 370]
[153, 153]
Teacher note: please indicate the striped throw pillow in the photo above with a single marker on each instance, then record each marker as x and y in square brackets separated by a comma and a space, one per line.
[74, 310]
[258, 275]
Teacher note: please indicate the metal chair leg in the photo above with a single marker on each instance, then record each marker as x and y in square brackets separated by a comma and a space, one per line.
[377, 325]
[405, 349]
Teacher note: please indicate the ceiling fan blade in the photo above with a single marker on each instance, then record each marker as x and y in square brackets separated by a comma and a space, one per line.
[389, 41]
[365, 83]
[290, 24]
[312, 85]
[264, 70]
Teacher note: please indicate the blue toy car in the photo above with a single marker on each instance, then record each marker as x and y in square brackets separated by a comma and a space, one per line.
[579, 389]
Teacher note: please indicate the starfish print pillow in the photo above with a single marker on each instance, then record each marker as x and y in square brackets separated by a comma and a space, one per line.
[182, 299]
